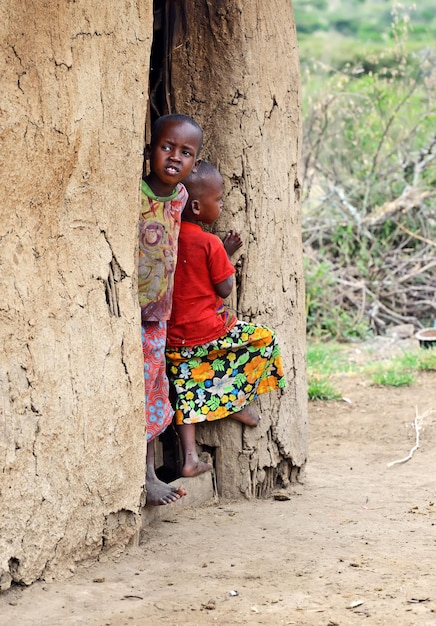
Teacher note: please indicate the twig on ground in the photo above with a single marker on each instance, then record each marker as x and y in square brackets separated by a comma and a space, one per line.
[418, 424]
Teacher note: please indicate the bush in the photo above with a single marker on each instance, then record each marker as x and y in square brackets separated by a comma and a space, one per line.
[369, 165]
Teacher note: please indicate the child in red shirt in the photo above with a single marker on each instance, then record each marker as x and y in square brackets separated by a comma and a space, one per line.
[217, 365]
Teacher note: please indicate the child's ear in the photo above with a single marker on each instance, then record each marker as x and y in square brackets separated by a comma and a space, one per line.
[195, 207]
[196, 164]
[147, 151]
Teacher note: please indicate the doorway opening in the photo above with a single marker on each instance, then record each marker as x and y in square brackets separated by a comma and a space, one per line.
[168, 23]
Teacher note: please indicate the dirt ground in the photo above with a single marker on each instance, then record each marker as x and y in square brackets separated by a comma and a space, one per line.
[355, 544]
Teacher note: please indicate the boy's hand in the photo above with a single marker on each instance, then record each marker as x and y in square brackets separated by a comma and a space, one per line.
[232, 242]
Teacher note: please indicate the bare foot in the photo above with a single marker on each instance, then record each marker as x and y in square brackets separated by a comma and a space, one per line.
[159, 493]
[248, 416]
[195, 467]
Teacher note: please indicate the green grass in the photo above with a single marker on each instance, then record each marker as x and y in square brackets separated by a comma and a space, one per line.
[401, 370]
[322, 389]
[423, 361]
[325, 360]
[392, 377]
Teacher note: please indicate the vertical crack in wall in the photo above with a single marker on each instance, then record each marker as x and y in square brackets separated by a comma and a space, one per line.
[111, 288]
[115, 275]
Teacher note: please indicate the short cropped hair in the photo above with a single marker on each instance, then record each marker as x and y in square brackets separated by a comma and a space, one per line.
[203, 172]
[175, 117]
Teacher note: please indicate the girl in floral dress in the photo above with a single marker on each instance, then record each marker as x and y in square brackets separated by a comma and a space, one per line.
[217, 364]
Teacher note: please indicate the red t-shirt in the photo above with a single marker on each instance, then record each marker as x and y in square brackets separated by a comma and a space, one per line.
[202, 262]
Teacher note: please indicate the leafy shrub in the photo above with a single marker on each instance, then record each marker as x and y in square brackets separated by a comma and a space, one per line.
[326, 316]
[369, 227]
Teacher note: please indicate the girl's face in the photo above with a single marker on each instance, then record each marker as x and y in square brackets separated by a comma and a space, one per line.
[211, 200]
[173, 154]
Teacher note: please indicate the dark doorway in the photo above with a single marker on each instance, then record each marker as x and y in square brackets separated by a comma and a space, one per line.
[168, 22]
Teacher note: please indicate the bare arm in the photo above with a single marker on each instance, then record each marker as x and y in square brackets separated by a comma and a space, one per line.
[231, 242]
[224, 288]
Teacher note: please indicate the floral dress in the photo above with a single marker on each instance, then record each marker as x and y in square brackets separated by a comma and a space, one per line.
[223, 376]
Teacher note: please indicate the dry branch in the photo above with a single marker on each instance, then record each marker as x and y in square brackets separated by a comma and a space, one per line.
[411, 198]
[419, 419]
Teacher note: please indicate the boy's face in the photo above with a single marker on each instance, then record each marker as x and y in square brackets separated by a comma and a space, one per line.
[210, 201]
[173, 154]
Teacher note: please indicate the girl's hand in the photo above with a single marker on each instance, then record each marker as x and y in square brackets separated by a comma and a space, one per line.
[232, 242]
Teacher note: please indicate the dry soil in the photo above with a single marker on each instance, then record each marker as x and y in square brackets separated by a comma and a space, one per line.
[355, 544]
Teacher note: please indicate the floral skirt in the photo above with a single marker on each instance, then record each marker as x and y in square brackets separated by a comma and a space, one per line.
[158, 410]
[223, 376]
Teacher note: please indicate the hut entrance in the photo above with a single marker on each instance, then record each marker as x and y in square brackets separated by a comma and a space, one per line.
[168, 21]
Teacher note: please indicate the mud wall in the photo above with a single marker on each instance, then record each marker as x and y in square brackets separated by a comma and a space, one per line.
[74, 78]
[235, 68]
[72, 112]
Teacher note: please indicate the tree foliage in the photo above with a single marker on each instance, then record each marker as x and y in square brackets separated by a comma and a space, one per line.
[369, 172]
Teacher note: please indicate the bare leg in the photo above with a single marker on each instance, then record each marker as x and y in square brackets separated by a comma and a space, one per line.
[248, 416]
[159, 492]
[192, 464]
